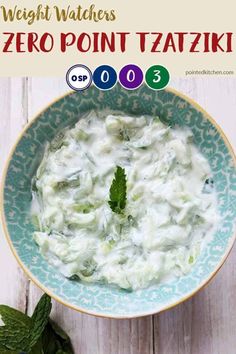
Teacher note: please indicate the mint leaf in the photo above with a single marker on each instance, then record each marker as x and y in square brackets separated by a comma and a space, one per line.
[15, 333]
[55, 340]
[36, 335]
[40, 319]
[37, 348]
[59, 331]
[118, 189]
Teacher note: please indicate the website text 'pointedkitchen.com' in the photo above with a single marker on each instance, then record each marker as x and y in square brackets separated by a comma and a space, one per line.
[209, 72]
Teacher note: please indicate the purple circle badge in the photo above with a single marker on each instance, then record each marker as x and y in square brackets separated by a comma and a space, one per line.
[131, 76]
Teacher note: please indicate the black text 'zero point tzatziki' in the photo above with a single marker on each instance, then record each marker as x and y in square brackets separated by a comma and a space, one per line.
[159, 229]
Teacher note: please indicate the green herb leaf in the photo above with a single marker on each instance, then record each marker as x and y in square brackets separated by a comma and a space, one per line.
[36, 335]
[37, 348]
[49, 341]
[55, 340]
[57, 142]
[118, 189]
[15, 333]
[40, 318]
[59, 331]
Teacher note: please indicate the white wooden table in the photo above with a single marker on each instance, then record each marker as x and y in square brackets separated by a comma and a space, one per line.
[205, 324]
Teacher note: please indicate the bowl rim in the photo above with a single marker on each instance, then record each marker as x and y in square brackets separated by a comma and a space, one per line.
[50, 292]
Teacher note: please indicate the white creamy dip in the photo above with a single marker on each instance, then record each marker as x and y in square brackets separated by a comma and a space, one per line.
[170, 210]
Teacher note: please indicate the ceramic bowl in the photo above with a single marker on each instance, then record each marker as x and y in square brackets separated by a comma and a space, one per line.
[98, 299]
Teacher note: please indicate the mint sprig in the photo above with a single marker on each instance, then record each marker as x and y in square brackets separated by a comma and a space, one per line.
[15, 334]
[40, 319]
[32, 335]
[118, 191]
[55, 340]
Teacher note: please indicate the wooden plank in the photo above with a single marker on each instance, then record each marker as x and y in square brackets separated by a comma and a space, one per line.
[13, 288]
[205, 323]
[90, 335]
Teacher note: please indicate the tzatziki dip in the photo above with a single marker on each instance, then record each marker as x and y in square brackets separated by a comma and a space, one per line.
[165, 210]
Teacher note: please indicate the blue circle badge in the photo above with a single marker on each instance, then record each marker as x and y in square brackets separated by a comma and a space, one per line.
[79, 77]
[104, 77]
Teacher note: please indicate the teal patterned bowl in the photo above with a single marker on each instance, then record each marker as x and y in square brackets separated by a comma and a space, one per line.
[97, 299]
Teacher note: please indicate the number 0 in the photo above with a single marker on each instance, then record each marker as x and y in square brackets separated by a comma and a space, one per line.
[105, 76]
[130, 75]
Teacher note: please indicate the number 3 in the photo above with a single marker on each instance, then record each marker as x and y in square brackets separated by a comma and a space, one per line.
[157, 75]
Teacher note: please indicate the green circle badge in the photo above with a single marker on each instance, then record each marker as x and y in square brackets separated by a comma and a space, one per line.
[157, 77]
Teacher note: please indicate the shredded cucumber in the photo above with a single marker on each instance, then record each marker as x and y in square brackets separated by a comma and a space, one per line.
[170, 210]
